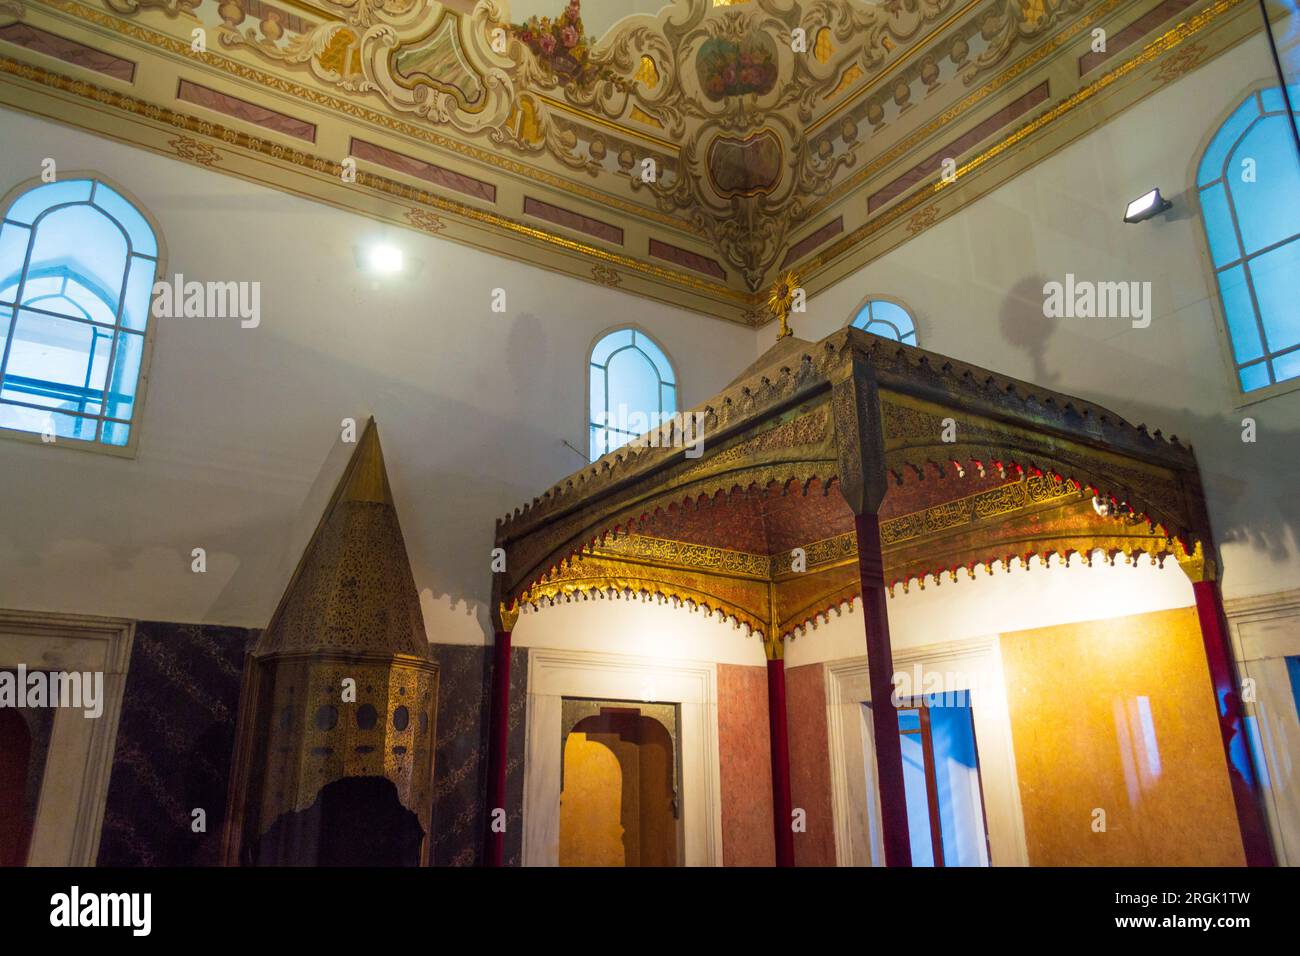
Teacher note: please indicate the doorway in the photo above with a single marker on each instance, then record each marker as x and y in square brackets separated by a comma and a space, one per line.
[71, 756]
[980, 788]
[1267, 633]
[24, 740]
[941, 778]
[557, 677]
[619, 784]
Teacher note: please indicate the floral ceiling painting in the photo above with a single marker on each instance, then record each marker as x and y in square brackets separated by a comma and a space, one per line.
[726, 68]
[559, 43]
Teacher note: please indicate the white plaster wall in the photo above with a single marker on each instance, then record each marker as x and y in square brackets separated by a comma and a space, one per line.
[239, 445]
[640, 628]
[974, 283]
[1003, 602]
[1006, 601]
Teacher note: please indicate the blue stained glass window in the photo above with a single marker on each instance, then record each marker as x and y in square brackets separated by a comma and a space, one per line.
[1249, 186]
[77, 267]
[632, 389]
[886, 319]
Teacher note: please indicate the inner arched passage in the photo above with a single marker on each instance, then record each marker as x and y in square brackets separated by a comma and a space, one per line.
[618, 798]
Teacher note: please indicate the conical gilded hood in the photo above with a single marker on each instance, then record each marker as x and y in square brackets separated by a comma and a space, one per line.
[353, 590]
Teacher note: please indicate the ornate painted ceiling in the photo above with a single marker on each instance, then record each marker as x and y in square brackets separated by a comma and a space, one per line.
[689, 154]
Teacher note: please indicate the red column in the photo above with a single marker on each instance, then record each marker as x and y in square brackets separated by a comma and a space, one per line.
[781, 807]
[498, 735]
[1232, 725]
[884, 716]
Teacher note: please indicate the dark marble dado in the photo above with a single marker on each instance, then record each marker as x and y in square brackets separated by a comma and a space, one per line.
[460, 764]
[174, 745]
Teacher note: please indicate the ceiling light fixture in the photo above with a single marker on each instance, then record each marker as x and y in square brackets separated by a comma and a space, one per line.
[1145, 206]
[385, 260]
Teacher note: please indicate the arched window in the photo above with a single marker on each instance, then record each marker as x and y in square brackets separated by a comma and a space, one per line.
[632, 389]
[1249, 186]
[78, 263]
[886, 319]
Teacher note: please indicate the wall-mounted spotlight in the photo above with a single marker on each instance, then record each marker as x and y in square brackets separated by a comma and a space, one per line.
[1145, 206]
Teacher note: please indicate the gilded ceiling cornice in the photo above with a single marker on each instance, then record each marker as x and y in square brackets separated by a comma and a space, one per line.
[957, 111]
[743, 176]
[1168, 41]
[211, 157]
[341, 105]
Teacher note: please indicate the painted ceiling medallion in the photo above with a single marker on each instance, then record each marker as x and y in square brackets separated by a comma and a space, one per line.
[727, 68]
[745, 167]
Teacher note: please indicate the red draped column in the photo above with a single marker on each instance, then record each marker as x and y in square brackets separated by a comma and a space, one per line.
[498, 735]
[776, 715]
[1246, 792]
[884, 716]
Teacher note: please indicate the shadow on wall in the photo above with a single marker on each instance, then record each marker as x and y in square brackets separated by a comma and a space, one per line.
[1238, 476]
[1023, 327]
[454, 465]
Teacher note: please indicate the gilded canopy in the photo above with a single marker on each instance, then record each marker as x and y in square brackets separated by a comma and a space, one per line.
[963, 466]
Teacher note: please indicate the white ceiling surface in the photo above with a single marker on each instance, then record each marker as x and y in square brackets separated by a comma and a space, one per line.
[239, 446]
[974, 284]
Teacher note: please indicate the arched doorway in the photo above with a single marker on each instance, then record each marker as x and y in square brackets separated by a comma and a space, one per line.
[618, 801]
[15, 766]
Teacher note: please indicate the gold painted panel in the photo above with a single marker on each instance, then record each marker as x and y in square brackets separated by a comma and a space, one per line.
[1118, 716]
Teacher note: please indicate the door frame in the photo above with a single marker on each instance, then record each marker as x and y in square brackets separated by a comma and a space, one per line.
[74, 783]
[1267, 628]
[556, 674]
[856, 806]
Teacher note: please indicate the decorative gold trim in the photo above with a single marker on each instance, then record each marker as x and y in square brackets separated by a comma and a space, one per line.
[422, 132]
[668, 147]
[319, 164]
[1156, 48]
[781, 299]
[889, 70]
[685, 290]
[1196, 565]
[685, 556]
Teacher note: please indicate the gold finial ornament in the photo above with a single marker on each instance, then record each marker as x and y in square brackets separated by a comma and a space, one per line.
[782, 300]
